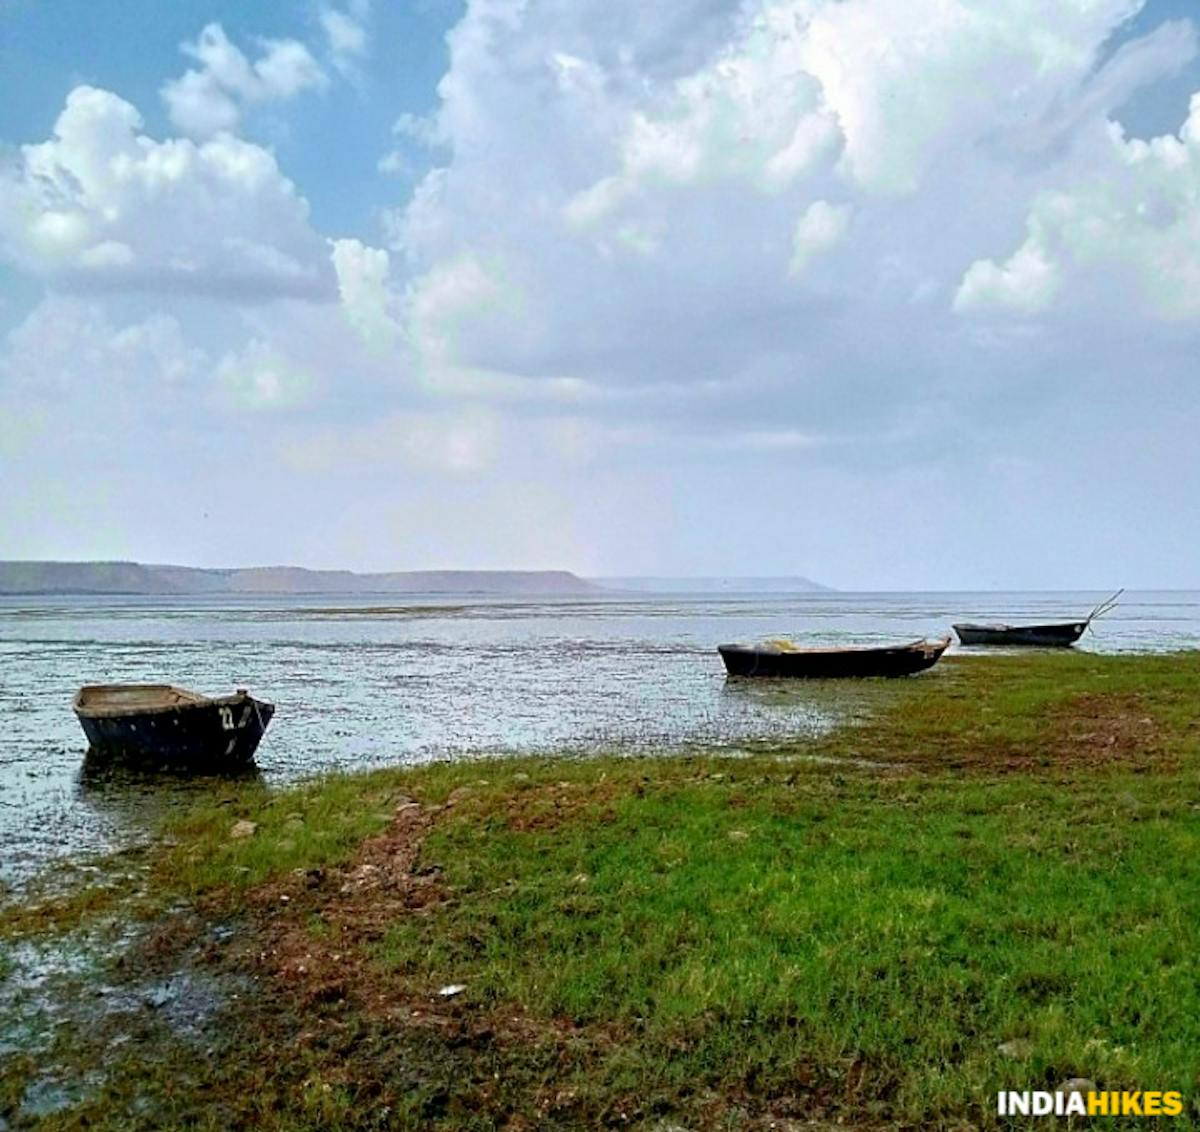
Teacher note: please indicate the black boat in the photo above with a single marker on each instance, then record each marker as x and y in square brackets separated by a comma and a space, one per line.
[1029, 636]
[782, 659]
[1057, 635]
[167, 725]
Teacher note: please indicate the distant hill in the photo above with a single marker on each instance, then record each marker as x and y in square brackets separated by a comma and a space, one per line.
[794, 584]
[137, 578]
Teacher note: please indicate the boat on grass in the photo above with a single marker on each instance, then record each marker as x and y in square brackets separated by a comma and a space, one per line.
[168, 725]
[1055, 635]
[1028, 636]
[783, 659]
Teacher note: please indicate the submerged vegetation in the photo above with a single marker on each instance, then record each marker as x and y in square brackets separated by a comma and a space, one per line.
[990, 881]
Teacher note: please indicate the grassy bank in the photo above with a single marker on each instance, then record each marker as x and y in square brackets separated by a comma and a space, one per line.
[990, 881]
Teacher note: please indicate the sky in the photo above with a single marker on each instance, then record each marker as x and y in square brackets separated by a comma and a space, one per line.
[895, 294]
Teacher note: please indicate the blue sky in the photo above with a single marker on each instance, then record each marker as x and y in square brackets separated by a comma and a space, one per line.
[1160, 107]
[131, 46]
[891, 294]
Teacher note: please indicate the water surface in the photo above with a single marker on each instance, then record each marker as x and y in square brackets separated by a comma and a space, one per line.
[362, 682]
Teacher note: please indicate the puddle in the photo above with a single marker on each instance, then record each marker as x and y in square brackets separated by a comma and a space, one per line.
[70, 988]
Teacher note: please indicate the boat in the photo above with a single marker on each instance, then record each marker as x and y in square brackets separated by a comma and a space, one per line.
[165, 724]
[1054, 635]
[782, 659]
[1028, 636]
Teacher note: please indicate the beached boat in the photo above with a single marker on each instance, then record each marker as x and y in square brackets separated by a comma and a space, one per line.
[783, 659]
[1060, 634]
[1028, 636]
[161, 723]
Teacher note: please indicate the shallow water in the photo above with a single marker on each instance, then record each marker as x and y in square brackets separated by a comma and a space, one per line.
[364, 682]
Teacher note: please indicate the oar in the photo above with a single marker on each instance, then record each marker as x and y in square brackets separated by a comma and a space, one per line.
[1104, 607]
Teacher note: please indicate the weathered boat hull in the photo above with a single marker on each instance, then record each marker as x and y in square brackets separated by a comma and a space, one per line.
[210, 734]
[823, 664]
[1022, 636]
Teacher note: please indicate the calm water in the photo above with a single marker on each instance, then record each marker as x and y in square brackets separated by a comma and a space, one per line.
[361, 683]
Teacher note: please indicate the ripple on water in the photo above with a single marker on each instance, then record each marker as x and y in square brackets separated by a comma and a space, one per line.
[360, 683]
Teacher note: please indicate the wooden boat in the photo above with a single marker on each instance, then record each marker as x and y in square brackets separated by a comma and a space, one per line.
[782, 659]
[1028, 636]
[164, 724]
[1056, 635]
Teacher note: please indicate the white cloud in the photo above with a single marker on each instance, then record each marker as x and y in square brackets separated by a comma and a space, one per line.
[367, 297]
[417, 130]
[892, 146]
[70, 348]
[106, 254]
[909, 80]
[458, 442]
[461, 292]
[345, 31]
[742, 258]
[819, 229]
[80, 386]
[261, 376]
[1027, 282]
[1128, 214]
[581, 441]
[74, 353]
[102, 205]
[209, 100]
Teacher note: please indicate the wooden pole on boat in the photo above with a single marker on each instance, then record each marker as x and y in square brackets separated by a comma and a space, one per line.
[1104, 607]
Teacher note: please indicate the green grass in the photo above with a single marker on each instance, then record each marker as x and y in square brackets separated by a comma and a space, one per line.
[724, 942]
[311, 826]
[754, 933]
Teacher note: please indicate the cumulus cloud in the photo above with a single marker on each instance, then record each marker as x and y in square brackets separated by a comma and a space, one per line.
[79, 384]
[1128, 214]
[821, 226]
[209, 99]
[133, 373]
[741, 258]
[102, 205]
[768, 200]
[262, 376]
[1026, 282]
[71, 347]
[909, 82]
[368, 298]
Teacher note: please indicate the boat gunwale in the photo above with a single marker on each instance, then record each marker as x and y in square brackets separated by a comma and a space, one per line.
[921, 644]
[192, 702]
[979, 626]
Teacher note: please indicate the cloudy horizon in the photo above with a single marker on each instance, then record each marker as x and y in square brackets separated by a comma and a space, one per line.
[889, 295]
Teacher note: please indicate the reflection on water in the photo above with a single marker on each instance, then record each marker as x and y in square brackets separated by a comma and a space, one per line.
[359, 683]
[136, 798]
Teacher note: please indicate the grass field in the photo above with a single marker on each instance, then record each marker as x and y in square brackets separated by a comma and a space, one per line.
[990, 881]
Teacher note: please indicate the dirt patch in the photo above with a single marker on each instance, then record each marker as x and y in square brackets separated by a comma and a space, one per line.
[1106, 728]
[1087, 731]
[313, 928]
[310, 942]
[552, 805]
[1095, 732]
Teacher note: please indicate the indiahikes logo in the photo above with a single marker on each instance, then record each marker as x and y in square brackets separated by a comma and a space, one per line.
[1090, 1103]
